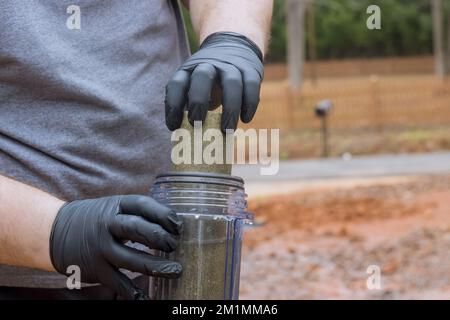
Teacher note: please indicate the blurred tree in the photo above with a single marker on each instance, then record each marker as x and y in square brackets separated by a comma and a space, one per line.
[312, 47]
[192, 37]
[447, 19]
[438, 37]
[295, 11]
[278, 39]
[341, 30]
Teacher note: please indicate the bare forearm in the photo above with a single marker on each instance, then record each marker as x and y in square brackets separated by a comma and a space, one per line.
[26, 219]
[250, 18]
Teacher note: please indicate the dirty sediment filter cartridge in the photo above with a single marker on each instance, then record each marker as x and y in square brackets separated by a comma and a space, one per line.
[212, 121]
[203, 259]
[213, 209]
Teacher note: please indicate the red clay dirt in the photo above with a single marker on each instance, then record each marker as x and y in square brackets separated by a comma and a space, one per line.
[318, 245]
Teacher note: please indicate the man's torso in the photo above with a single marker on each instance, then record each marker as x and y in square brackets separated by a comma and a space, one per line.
[81, 98]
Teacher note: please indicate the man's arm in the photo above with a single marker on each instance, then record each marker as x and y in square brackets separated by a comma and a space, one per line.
[233, 36]
[249, 18]
[40, 231]
[26, 219]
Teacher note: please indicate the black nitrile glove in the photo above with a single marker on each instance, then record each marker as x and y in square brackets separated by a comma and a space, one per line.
[90, 234]
[232, 59]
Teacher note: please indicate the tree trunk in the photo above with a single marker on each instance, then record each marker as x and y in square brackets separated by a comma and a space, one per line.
[312, 51]
[448, 46]
[295, 11]
[438, 37]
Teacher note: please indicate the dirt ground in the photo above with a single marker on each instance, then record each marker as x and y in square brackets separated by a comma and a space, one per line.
[318, 244]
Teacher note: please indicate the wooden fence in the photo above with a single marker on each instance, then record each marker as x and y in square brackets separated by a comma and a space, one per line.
[374, 102]
[357, 67]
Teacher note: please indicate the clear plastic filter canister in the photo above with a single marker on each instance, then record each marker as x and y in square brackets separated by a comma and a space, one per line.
[213, 209]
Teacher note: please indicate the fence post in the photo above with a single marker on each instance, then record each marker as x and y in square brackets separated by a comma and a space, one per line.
[292, 103]
[377, 113]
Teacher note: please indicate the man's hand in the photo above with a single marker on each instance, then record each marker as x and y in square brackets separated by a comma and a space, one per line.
[234, 36]
[229, 58]
[90, 234]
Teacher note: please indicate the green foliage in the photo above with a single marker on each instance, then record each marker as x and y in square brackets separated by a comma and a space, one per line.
[341, 30]
[278, 39]
[192, 37]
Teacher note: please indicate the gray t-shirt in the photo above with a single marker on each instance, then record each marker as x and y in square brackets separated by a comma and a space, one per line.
[82, 99]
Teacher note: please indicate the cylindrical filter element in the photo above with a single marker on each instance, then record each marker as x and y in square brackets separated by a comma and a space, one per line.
[213, 209]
